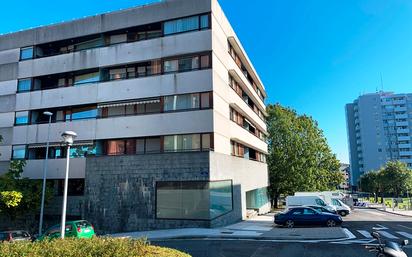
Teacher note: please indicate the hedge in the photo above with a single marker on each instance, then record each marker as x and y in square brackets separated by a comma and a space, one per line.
[96, 247]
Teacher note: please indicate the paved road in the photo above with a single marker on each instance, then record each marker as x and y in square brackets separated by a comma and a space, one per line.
[360, 223]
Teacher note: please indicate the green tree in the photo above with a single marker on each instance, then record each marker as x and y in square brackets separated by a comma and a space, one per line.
[19, 195]
[299, 157]
[396, 178]
[371, 182]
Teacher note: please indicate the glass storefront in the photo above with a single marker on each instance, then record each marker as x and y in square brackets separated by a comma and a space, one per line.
[195, 200]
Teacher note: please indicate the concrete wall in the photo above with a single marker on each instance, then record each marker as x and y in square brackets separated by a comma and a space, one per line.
[120, 190]
[169, 9]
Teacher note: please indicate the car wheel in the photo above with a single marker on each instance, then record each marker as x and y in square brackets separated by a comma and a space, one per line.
[331, 223]
[289, 223]
[342, 213]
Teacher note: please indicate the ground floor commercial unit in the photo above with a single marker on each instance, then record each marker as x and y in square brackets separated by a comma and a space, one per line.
[160, 191]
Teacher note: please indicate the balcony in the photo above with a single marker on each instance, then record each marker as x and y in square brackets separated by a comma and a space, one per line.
[56, 168]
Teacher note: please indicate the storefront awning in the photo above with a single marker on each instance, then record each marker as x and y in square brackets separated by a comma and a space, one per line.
[150, 101]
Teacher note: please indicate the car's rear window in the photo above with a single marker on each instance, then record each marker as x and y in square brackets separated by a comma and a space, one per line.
[83, 224]
[20, 234]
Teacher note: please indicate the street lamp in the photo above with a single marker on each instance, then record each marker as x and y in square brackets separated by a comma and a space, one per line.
[44, 173]
[68, 138]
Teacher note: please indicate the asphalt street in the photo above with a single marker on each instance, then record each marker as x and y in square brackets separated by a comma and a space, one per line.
[360, 223]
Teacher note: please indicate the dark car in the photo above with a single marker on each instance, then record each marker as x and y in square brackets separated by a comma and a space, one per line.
[321, 209]
[306, 216]
[15, 235]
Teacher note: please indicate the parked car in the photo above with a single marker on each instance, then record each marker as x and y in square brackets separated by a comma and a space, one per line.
[297, 201]
[332, 198]
[306, 216]
[321, 209]
[77, 228]
[15, 235]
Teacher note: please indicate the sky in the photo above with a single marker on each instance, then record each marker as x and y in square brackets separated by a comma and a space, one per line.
[312, 55]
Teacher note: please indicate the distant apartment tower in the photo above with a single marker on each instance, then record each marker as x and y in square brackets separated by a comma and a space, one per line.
[169, 112]
[379, 130]
[344, 169]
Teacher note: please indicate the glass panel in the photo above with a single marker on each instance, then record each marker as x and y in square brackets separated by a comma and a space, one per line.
[181, 102]
[256, 198]
[154, 68]
[115, 147]
[22, 117]
[181, 25]
[204, 61]
[117, 74]
[153, 107]
[171, 65]
[24, 85]
[204, 21]
[220, 198]
[191, 142]
[84, 113]
[19, 152]
[205, 100]
[139, 146]
[187, 64]
[26, 53]
[206, 141]
[182, 200]
[87, 78]
[153, 145]
[115, 111]
[89, 44]
[193, 199]
[82, 151]
[115, 39]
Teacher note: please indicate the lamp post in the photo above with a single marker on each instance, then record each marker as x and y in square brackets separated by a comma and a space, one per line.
[44, 174]
[68, 138]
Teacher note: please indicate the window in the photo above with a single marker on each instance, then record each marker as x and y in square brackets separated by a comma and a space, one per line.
[22, 118]
[81, 151]
[23, 85]
[177, 143]
[206, 142]
[182, 25]
[115, 147]
[171, 65]
[19, 152]
[81, 113]
[89, 44]
[26, 53]
[115, 74]
[202, 200]
[87, 78]
[153, 145]
[205, 100]
[187, 63]
[204, 21]
[320, 202]
[308, 212]
[181, 102]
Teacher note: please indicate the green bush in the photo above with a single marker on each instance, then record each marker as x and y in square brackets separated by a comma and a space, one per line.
[101, 247]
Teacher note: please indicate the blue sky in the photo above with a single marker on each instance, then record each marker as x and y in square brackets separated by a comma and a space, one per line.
[312, 55]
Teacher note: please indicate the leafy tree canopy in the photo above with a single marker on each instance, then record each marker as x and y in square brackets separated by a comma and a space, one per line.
[299, 157]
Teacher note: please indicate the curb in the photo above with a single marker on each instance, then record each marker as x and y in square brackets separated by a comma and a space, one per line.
[394, 213]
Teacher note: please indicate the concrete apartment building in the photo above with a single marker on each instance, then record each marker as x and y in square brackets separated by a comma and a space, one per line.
[169, 112]
[379, 130]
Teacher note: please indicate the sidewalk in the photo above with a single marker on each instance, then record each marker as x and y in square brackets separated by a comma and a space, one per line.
[258, 228]
[382, 208]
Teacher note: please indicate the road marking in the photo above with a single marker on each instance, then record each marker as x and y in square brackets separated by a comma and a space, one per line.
[387, 235]
[349, 234]
[379, 227]
[365, 233]
[405, 226]
[405, 234]
[360, 241]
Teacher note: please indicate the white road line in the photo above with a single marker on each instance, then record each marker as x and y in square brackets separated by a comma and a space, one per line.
[405, 234]
[387, 235]
[365, 233]
[349, 234]
[379, 227]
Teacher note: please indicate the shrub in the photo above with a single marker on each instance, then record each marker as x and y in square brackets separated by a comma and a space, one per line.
[101, 247]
